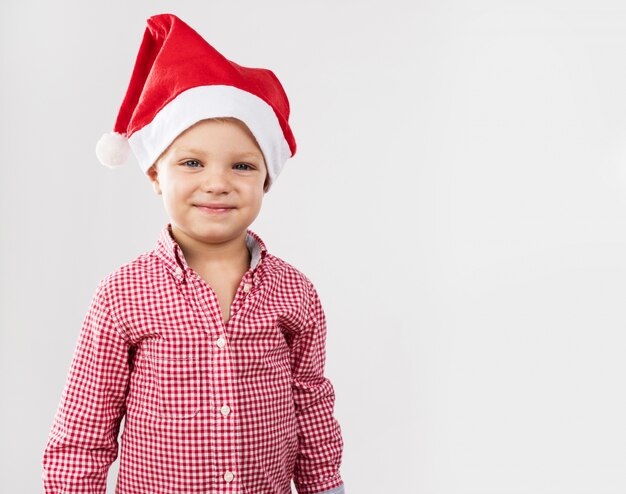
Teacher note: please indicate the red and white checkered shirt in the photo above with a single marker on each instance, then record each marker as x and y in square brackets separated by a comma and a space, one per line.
[241, 407]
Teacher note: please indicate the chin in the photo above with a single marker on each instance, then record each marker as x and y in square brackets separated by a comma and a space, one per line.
[218, 234]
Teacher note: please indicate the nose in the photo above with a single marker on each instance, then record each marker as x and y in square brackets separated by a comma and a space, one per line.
[215, 180]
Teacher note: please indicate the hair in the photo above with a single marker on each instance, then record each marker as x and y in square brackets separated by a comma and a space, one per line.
[221, 120]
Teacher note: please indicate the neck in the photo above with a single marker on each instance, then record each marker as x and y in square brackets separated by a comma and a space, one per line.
[231, 253]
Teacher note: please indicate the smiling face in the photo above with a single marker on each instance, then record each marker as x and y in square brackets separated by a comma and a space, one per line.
[212, 180]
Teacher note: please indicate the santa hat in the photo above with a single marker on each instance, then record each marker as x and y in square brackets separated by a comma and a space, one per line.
[178, 80]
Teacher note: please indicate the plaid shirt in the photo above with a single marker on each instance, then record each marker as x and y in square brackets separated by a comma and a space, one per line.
[241, 407]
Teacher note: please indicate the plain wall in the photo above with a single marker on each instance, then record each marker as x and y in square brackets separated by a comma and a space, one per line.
[458, 198]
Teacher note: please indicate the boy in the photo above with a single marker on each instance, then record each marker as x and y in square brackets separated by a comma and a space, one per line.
[211, 347]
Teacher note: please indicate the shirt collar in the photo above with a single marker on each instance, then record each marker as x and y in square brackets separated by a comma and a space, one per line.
[172, 255]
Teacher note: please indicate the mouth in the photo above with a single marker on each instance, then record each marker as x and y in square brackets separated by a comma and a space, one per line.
[214, 208]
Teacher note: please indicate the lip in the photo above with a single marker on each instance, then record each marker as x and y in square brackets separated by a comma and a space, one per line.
[215, 205]
[214, 208]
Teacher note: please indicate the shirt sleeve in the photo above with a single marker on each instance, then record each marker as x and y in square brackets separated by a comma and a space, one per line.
[82, 444]
[319, 433]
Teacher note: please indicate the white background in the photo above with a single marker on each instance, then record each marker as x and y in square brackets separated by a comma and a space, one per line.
[458, 198]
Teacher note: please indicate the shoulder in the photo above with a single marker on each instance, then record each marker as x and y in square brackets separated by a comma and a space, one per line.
[286, 275]
[277, 266]
[131, 277]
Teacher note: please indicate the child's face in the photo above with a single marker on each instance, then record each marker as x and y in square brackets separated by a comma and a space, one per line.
[211, 162]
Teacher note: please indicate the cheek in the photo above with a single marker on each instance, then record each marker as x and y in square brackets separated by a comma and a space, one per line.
[258, 196]
[254, 190]
[178, 190]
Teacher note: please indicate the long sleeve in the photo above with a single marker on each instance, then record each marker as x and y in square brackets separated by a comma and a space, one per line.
[82, 444]
[319, 436]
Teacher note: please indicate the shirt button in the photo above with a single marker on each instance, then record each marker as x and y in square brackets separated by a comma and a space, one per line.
[221, 342]
[228, 476]
[178, 272]
[225, 410]
[246, 287]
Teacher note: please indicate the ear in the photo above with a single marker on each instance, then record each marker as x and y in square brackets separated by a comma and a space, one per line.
[266, 181]
[153, 176]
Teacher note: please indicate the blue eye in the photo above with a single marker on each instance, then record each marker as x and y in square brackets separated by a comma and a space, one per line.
[244, 164]
[191, 163]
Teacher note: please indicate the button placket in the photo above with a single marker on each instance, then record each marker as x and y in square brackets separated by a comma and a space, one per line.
[206, 307]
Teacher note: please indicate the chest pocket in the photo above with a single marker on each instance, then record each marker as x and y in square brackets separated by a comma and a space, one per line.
[176, 368]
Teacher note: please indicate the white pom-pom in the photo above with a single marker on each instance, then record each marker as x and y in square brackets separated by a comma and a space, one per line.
[112, 150]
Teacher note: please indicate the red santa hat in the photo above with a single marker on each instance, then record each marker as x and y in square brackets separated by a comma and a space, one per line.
[178, 80]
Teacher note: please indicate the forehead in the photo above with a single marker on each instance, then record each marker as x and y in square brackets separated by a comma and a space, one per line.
[237, 131]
